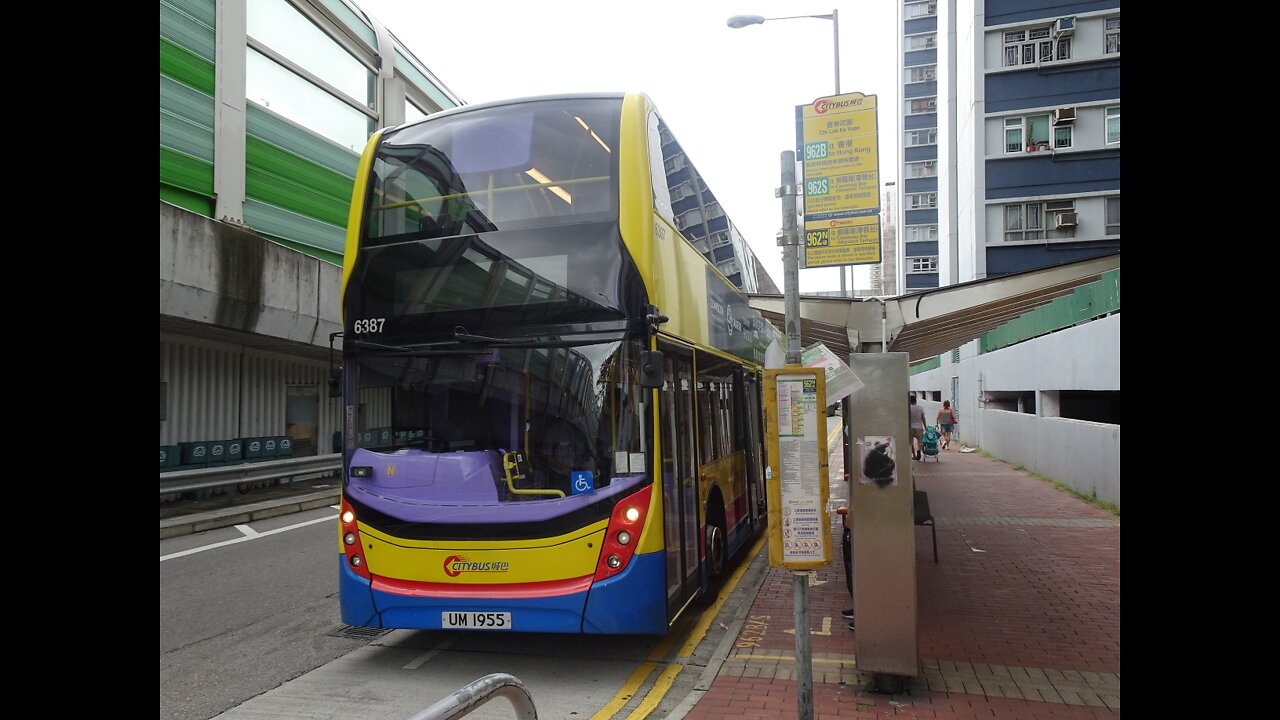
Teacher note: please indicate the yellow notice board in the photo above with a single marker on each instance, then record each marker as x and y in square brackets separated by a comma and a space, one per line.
[796, 476]
[838, 143]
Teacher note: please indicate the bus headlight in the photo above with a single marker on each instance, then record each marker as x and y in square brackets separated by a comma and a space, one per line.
[356, 561]
[613, 561]
[347, 517]
[349, 538]
[624, 538]
[632, 514]
[361, 471]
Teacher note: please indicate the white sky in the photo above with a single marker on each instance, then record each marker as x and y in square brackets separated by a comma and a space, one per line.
[728, 95]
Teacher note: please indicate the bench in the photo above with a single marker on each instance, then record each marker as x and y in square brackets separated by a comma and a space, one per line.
[924, 517]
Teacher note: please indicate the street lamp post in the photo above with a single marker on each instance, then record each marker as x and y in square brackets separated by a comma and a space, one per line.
[741, 21]
[790, 241]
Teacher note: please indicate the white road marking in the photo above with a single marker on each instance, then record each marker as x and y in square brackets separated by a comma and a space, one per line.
[247, 530]
[256, 536]
[419, 661]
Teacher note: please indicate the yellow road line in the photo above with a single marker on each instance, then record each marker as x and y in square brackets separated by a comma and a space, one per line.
[657, 692]
[641, 673]
[699, 630]
[831, 436]
[638, 676]
[667, 677]
[792, 658]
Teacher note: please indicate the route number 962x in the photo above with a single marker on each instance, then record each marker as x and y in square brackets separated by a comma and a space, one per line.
[372, 325]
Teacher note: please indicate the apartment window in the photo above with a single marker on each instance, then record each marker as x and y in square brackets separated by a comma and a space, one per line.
[1113, 215]
[920, 9]
[923, 264]
[1013, 135]
[1062, 136]
[720, 237]
[1027, 47]
[1012, 46]
[1064, 48]
[926, 41]
[1023, 221]
[922, 201]
[928, 136]
[922, 73]
[1060, 218]
[922, 233]
[924, 168]
[1112, 41]
[1113, 125]
[920, 106]
[1054, 219]
[1029, 133]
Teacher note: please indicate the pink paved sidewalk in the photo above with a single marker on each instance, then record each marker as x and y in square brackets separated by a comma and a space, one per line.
[1020, 617]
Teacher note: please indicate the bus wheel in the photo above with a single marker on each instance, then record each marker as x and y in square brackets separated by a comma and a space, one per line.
[715, 550]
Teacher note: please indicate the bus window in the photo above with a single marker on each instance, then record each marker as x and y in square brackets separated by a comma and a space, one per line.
[511, 167]
[716, 422]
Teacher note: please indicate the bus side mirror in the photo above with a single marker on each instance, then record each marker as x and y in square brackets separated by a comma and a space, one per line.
[651, 369]
[335, 383]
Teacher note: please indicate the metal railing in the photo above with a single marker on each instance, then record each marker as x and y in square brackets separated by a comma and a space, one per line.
[479, 692]
[207, 478]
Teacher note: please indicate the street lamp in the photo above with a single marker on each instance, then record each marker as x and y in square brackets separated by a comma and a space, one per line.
[790, 241]
[741, 21]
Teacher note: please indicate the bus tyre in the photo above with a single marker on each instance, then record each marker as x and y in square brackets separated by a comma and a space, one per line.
[715, 550]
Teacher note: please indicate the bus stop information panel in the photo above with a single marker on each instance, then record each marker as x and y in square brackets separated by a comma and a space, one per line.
[796, 475]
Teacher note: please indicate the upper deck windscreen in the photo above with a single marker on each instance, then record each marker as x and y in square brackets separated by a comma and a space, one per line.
[531, 164]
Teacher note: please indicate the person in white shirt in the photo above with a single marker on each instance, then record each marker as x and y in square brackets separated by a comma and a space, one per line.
[915, 416]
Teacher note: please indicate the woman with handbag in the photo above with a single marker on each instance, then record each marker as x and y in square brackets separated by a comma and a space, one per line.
[947, 420]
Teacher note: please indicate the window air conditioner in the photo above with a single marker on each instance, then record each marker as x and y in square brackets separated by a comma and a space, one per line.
[1064, 115]
[1064, 26]
[1066, 220]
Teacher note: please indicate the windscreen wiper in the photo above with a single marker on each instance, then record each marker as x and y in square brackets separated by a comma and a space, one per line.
[425, 350]
[567, 338]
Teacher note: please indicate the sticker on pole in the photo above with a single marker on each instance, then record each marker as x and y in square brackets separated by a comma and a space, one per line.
[878, 461]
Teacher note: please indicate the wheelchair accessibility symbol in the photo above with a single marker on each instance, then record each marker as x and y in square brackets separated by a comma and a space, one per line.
[583, 482]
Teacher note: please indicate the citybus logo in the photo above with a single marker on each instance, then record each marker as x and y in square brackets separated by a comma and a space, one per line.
[455, 565]
[823, 105]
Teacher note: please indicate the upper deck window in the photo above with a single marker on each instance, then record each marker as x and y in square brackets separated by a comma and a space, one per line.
[507, 167]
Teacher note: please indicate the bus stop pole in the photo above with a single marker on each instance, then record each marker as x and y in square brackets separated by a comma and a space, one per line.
[790, 242]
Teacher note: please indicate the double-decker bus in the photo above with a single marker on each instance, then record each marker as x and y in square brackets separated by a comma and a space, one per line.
[552, 398]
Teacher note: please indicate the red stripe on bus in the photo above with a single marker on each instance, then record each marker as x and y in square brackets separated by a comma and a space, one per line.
[548, 588]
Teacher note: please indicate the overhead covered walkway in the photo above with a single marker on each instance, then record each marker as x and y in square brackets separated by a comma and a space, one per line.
[932, 322]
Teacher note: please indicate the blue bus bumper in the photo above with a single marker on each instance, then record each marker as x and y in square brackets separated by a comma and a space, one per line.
[631, 602]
